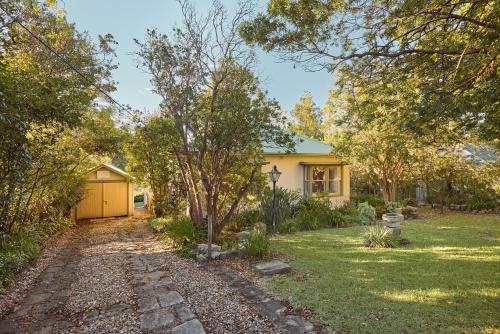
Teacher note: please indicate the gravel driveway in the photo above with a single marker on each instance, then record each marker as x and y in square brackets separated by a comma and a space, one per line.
[115, 277]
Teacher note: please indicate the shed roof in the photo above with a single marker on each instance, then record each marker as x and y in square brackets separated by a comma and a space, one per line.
[303, 145]
[114, 169]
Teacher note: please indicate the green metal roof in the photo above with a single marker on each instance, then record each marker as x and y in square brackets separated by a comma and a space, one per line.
[303, 145]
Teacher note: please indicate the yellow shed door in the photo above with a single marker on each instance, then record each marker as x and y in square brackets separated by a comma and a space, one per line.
[91, 204]
[115, 199]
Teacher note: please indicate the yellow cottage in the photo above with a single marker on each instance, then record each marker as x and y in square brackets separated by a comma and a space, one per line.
[311, 169]
[109, 192]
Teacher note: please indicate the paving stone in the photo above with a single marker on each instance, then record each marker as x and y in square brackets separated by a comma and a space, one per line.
[272, 267]
[156, 319]
[191, 327]
[148, 304]
[300, 322]
[184, 313]
[165, 281]
[272, 309]
[37, 298]
[170, 298]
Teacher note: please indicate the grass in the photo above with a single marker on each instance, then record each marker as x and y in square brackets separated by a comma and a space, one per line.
[446, 281]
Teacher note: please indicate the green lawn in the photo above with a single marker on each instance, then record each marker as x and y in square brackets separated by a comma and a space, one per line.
[446, 281]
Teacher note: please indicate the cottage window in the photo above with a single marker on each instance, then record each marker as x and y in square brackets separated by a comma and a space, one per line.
[322, 179]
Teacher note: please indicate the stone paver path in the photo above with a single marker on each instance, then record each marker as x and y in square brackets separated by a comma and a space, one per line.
[111, 277]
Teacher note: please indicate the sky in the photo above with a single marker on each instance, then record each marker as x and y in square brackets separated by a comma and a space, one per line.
[129, 19]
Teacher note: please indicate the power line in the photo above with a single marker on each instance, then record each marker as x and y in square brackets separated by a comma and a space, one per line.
[67, 63]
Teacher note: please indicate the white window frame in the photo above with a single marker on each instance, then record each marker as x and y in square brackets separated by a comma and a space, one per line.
[338, 179]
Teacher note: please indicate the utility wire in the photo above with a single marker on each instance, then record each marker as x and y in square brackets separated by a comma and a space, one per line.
[67, 63]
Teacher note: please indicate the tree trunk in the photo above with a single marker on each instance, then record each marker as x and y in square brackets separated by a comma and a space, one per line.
[389, 191]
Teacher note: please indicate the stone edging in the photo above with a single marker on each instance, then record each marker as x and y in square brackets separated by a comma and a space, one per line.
[272, 309]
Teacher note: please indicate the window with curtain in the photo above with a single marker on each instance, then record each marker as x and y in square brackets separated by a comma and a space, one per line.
[322, 179]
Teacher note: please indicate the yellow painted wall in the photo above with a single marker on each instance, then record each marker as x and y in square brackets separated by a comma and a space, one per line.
[292, 176]
[106, 197]
[112, 175]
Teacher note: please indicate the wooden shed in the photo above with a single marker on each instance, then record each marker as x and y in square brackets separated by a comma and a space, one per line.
[108, 193]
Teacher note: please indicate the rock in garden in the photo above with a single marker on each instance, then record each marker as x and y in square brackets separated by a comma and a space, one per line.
[203, 248]
[272, 267]
[191, 327]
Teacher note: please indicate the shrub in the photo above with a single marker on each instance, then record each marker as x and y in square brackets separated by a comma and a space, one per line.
[139, 198]
[391, 207]
[244, 220]
[366, 213]
[257, 244]
[378, 236]
[314, 212]
[374, 200]
[346, 215]
[290, 225]
[180, 231]
[286, 206]
[23, 246]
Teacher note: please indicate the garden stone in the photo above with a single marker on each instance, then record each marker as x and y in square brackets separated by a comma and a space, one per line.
[272, 267]
[170, 298]
[296, 321]
[156, 319]
[215, 254]
[148, 304]
[201, 258]
[191, 327]
[203, 248]
[184, 313]
[392, 219]
[412, 211]
[229, 254]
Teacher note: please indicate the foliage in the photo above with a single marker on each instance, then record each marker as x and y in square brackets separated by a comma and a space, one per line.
[392, 206]
[289, 225]
[257, 245]
[447, 50]
[152, 161]
[314, 212]
[52, 131]
[346, 215]
[24, 245]
[378, 236]
[180, 231]
[219, 115]
[451, 179]
[307, 118]
[411, 288]
[287, 202]
[244, 220]
[366, 213]
[139, 198]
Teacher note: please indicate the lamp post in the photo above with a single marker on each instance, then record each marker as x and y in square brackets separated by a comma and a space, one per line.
[274, 175]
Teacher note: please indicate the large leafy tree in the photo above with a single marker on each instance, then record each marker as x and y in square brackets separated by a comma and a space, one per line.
[49, 122]
[151, 160]
[307, 118]
[366, 131]
[202, 71]
[447, 49]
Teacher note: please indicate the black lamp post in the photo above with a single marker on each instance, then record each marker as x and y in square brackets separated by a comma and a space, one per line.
[274, 175]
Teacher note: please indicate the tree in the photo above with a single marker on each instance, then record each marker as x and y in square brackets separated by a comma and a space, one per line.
[447, 49]
[366, 131]
[49, 123]
[151, 160]
[307, 118]
[202, 71]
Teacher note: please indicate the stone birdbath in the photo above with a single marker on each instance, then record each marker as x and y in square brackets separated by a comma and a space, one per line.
[392, 221]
